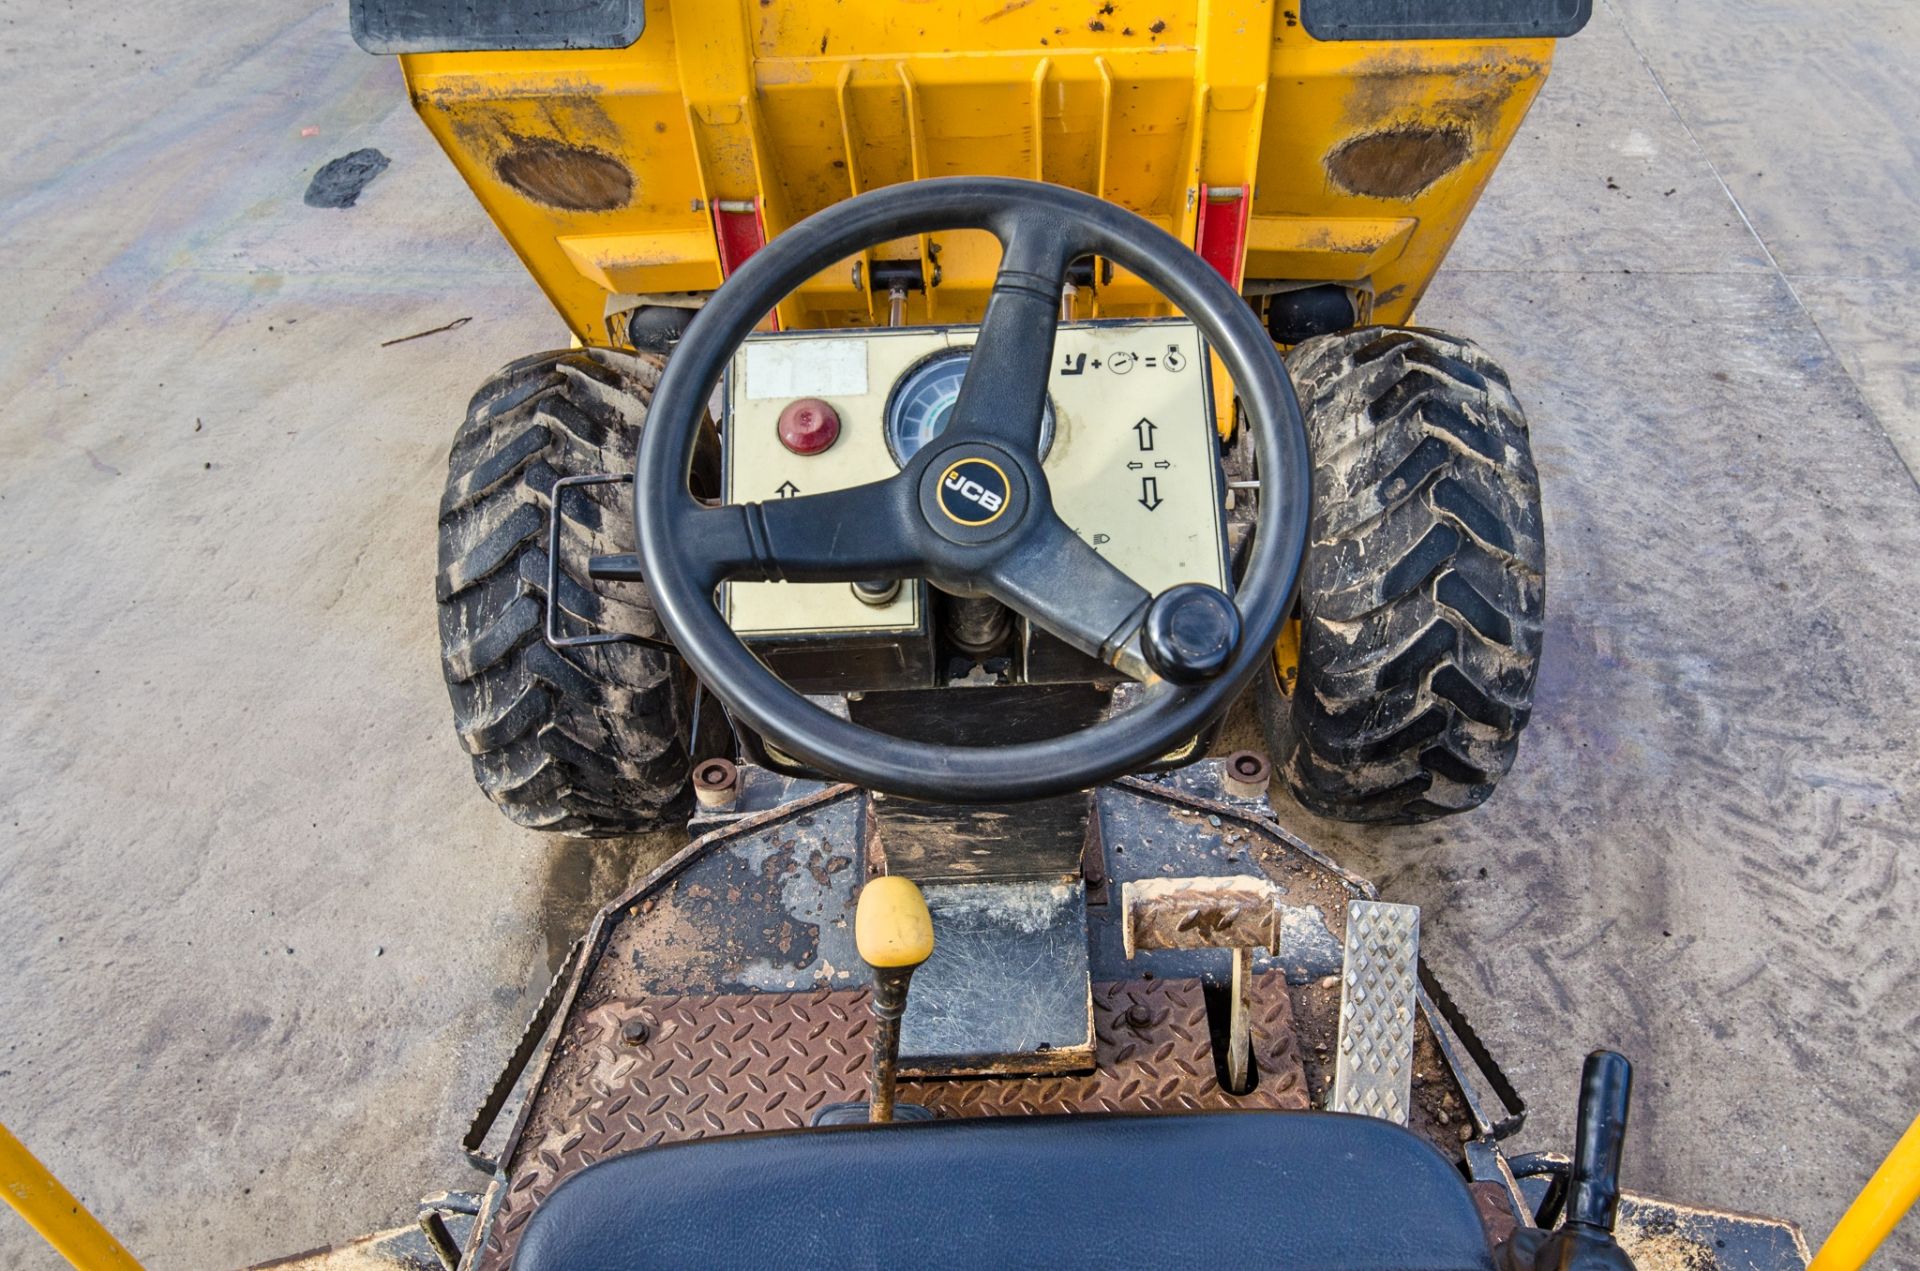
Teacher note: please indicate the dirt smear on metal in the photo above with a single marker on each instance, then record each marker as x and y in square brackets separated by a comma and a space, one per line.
[570, 177]
[1399, 162]
[585, 874]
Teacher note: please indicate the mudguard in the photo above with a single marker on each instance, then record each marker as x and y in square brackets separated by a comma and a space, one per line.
[1443, 19]
[465, 26]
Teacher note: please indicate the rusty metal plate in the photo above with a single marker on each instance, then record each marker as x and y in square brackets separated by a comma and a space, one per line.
[633, 1073]
[1233, 911]
[1496, 1212]
[1153, 1053]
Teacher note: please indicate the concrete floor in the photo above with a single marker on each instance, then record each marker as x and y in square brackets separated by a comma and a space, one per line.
[264, 944]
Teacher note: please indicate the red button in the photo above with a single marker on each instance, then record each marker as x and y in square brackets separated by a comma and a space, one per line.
[808, 426]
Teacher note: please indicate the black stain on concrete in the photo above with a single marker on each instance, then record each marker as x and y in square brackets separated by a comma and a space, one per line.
[341, 181]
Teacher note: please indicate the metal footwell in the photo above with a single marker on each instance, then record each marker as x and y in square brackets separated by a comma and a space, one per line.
[723, 995]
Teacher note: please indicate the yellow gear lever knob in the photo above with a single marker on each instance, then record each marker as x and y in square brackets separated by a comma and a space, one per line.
[891, 926]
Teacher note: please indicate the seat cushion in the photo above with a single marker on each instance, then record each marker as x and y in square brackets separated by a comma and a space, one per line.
[1241, 1189]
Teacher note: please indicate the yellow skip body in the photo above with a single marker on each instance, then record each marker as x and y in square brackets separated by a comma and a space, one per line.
[612, 172]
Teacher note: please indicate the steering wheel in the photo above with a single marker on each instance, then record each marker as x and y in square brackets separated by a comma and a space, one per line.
[972, 512]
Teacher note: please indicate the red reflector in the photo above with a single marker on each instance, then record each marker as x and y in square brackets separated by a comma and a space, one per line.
[739, 234]
[808, 426]
[1221, 238]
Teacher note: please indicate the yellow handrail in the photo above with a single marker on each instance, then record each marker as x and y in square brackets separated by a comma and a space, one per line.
[1881, 1203]
[51, 1210]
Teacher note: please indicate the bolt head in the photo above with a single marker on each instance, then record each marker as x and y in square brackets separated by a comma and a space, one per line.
[716, 775]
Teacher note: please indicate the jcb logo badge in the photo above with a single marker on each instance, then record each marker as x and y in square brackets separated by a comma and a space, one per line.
[973, 491]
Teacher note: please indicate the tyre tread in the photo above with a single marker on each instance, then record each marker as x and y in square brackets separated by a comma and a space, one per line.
[1424, 589]
[586, 741]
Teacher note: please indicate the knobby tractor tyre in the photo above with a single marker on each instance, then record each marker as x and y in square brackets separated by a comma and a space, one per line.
[1424, 588]
[589, 741]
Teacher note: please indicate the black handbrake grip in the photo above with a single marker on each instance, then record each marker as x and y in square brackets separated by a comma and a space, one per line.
[1584, 1241]
[622, 567]
[1606, 1086]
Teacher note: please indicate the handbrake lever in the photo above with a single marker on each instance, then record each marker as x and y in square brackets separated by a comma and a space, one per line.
[1584, 1241]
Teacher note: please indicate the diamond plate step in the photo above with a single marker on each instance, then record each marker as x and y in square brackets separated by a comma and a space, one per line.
[1373, 1067]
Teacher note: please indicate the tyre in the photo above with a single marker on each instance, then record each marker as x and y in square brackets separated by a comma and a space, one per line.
[589, 741]
[1423, 591]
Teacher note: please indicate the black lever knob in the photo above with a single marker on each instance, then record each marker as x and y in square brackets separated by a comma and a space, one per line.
[1606, 1087]
[1190, 633]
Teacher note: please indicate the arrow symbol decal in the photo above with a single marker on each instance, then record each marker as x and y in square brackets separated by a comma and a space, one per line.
[1150, 493]
[787, 490]
[1144, 430]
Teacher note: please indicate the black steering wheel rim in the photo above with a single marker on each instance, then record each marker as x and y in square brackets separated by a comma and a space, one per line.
[1167, 714]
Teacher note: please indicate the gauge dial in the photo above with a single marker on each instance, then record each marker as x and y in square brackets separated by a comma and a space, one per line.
[922, 403]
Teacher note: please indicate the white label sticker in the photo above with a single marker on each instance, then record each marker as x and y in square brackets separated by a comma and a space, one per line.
[806, 368]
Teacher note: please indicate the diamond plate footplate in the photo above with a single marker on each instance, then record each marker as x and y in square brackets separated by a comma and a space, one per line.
[630, 1074]
[1373, 1066]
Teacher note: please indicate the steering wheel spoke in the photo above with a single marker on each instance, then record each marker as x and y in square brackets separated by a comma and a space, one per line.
[1060, 582]
[1003, 397]
[1187, 635]
[852, 535]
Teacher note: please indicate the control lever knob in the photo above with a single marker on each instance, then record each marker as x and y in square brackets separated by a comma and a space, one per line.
[1584, 1241]
[1190, 633]
[894, 934]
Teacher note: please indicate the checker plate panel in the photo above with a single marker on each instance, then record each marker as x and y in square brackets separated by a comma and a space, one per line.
[733, 1064]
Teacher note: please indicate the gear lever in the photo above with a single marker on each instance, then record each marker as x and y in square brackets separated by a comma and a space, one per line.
[894, 933]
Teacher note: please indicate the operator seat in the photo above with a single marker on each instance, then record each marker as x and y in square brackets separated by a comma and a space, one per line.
[1304, 1190]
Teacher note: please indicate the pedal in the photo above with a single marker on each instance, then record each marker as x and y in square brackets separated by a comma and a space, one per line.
[1007, 989]
[1373, 1065]
[1237, 914]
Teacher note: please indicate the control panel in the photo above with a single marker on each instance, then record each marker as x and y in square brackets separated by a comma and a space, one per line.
[1128, 445]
